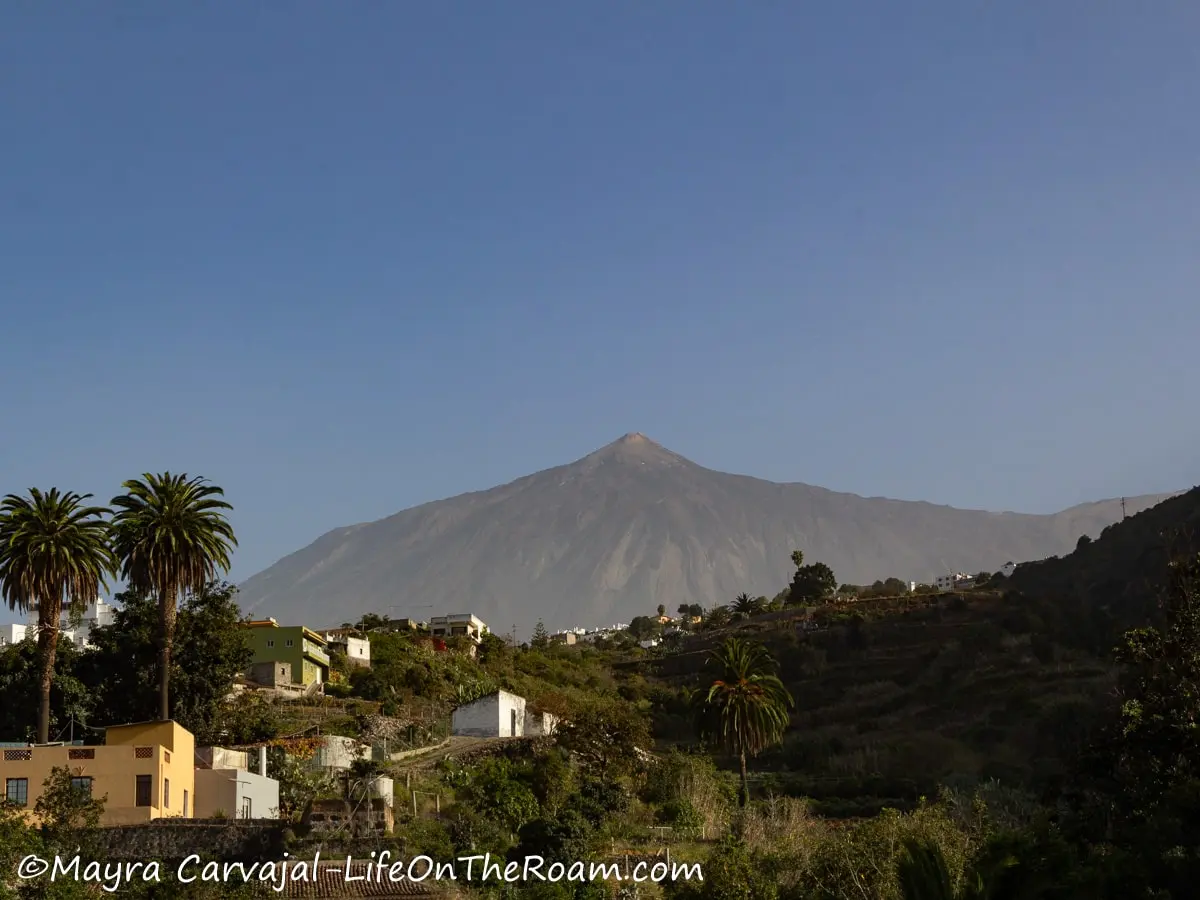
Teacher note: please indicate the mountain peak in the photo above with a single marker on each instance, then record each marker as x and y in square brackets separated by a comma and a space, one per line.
[634, 437]
[634, 447]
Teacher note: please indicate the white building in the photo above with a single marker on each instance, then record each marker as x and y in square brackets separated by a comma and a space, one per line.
[13, 634]
[226, 786]
[356, 648]
[337, 754]
[499, 714]
[358, 651]
[595, 634]
[1008, 568]
[957, 581]
[540, 724]
[458, 625]
[97, 615]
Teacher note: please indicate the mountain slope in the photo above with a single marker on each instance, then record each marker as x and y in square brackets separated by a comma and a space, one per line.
[1120, 575]
[630, 526]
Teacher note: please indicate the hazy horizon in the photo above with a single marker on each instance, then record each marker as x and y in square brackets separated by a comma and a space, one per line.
[345, 260]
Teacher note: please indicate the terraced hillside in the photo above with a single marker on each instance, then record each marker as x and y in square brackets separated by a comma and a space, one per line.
[896, 697]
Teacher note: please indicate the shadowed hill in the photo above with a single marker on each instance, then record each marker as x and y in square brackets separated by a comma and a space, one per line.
[630, 526]
[1116, 580]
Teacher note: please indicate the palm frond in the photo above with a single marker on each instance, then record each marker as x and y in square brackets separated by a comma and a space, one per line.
[171, 533]
[747, 706]
[54, 551]
[922, 872]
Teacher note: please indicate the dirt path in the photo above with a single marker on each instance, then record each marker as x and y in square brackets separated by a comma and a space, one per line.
[458, 746]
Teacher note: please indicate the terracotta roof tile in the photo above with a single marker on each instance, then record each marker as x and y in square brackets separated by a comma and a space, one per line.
[332, 882]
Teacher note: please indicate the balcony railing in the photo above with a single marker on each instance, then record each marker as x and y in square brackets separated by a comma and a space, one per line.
[315, 652]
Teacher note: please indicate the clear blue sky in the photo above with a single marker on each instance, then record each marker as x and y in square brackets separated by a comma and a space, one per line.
[344, 258]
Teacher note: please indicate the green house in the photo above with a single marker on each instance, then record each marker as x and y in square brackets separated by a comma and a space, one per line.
[295, 644]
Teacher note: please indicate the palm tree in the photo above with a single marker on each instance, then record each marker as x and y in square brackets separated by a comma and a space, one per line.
[716, 617]
[745, 606]
[171, 537]
[746, 707]
[54, 549]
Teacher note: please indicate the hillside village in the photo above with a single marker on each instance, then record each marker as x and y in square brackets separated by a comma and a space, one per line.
[893, 705]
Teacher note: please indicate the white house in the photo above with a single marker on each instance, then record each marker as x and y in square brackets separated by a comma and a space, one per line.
[13, 634]
[458, 625]
[225, 784]
[97, 615]
[358, 651]
[357, 648]
[1008, 568]
[499, 714]
[956, 581]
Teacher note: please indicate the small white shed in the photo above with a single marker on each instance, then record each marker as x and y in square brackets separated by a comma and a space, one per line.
[499, 714]
[540, 724]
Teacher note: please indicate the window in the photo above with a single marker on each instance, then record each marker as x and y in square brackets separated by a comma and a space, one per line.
[166, 804]
[291, 643]
[246, 808]
[270, 644]
[16, 790]
[143, 791]
[185, 804]
[83, 785]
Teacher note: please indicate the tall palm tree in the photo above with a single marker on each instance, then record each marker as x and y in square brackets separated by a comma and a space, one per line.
[54, 549]
[171, 537]
[746, 708]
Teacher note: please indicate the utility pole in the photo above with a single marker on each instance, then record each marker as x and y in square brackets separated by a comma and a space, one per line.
[1122, 509]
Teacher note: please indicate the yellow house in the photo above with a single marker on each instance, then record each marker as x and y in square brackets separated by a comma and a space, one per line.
[147, 770]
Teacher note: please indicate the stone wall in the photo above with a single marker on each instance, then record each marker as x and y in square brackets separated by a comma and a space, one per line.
[373, 816]
[175, 839]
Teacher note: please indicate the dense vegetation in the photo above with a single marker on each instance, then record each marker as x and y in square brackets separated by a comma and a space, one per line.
[169, 536]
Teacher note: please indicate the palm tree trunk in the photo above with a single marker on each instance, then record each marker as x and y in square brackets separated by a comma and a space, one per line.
[48, 613]
[166, 615]
[745, 780]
